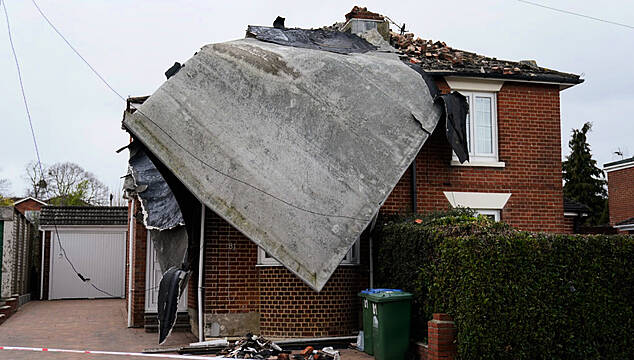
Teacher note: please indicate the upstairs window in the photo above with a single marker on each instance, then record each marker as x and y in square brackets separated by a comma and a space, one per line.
[482, 139]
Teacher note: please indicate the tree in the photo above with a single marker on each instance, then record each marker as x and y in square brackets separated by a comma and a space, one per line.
[37, 181]
[66, 184]
[4, 189]
[584, 181]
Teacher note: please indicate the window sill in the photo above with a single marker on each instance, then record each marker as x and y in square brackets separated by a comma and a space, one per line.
[273, 265]
[493, 164]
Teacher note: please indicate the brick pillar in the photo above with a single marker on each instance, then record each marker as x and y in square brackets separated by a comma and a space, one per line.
[441, 336]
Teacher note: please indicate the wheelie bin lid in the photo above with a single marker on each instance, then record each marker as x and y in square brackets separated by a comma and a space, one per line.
[366, 292]
[388, 295]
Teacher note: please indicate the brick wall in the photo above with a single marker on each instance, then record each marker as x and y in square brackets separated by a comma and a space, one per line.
[47, 263]
[621, 194]
[28, 205]
[139, 256]
[288, 307]
[231, 278]
[529, 144]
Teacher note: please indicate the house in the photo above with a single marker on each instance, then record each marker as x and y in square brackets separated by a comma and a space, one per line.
[29, 207]
[621, 194]
[83, 252]
[215, 133]
[574, 212]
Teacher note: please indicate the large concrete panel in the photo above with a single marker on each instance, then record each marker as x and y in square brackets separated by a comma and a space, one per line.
[296, 148]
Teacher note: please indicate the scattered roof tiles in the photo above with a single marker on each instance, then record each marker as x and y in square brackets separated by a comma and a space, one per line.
[574, 206]
[84, 215]
[441, 59]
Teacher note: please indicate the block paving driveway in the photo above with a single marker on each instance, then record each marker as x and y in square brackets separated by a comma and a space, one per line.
[87, 325]
[78, 325]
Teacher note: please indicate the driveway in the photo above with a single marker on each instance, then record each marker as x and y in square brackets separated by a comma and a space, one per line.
[78, 325]
[88, 325]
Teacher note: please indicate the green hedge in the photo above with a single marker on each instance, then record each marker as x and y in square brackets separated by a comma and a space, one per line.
[514, 295]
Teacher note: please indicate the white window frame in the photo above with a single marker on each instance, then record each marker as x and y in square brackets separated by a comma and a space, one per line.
[489, 212]
[351, 258]
[480, 159]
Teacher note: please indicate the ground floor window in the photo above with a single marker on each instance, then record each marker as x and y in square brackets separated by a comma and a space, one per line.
[491, 214]
[352, 257]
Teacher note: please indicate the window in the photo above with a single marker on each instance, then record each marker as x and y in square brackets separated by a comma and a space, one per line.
[482, 139]
[352, 257]
[491, 214]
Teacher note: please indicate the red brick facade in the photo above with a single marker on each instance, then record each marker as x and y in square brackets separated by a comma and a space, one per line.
[283, 306]
[28, 205]
[529, 145]
[621, 194]
[139, 258]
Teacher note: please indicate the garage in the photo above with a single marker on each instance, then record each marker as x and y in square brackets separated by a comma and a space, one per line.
[84, 251]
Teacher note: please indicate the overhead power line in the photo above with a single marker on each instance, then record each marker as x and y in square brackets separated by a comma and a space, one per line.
[576, 14]
[26, 104]
[37, 151]
[229, 176]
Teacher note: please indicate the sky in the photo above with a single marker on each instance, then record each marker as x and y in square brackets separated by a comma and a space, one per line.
[77, 118]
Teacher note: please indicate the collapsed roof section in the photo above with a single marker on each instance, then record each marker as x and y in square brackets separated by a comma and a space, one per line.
[297, 148]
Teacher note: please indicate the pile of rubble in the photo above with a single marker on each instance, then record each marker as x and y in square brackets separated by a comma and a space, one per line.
[251, 347]
[437, 55]
[256, 347]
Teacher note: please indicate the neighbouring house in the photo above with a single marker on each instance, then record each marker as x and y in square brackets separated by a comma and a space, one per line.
[240, 234]
[93, 240]
[621, 194]
[574, 214]
[29, 207]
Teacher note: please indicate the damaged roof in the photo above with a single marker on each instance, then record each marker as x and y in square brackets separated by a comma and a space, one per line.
[84, 215]
[438, 58]
[297, 148]
[441, 59]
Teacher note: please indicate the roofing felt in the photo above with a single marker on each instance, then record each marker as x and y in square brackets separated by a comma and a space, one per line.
[620, 162]
[84, 215]
[296, 148]
[574, 206]
[440, 59]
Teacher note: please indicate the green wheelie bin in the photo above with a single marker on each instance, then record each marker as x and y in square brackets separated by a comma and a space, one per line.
[391, 312]
[368, 342]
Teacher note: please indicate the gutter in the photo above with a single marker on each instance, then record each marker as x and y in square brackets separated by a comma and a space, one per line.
[130, 270]
[201, 256]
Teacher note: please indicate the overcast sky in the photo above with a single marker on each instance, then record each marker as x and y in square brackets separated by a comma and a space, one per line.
[132, 43]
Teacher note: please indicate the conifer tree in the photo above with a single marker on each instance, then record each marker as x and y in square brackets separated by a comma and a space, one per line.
[584, 182]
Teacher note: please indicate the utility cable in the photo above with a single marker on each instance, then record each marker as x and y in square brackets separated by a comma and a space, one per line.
[37, 151]
[576, 14]
[26, 104]
[288, 203]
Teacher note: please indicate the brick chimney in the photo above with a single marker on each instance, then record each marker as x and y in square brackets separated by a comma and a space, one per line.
[360, 20]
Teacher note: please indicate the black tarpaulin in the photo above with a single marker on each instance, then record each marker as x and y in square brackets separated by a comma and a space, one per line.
[318, 39]
[456, 109]
[160, 208]
[170, 290]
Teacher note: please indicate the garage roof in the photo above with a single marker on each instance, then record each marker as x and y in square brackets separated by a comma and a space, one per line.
[84, 215]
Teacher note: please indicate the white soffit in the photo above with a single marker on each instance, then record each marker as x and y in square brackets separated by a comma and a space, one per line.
[473, 84]
[477, 200]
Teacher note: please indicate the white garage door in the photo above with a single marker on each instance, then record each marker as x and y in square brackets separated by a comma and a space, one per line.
[97, 254]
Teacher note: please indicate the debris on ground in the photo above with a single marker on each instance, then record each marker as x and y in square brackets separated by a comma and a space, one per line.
[251, 347]
[257, 347]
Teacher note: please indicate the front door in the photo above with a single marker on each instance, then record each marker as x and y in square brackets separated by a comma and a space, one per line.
[153, 277]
